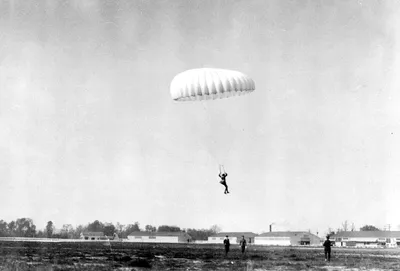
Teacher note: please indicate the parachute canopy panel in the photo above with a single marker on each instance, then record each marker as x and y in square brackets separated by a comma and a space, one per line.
[209, 84]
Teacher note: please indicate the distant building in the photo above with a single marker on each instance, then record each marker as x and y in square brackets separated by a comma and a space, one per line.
[93, 236]
[159, 237]
[287, 238]
[366, 238]
[234, 237]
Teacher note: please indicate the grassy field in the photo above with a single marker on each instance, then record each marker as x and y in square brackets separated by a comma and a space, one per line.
[134, 256]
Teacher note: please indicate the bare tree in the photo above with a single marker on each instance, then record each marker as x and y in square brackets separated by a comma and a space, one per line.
[353, 227]
[345, 225]
[215, 229]
[68, 230]
[119, 228]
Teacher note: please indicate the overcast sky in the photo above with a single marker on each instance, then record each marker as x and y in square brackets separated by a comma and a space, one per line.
[88, 129]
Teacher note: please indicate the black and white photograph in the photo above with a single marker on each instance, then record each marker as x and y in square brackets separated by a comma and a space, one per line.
[200, 135]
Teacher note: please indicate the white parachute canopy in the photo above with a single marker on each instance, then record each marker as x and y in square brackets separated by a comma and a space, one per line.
[209, 84]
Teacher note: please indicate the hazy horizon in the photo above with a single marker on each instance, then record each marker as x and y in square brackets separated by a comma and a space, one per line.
[275, 228]
[89, 130]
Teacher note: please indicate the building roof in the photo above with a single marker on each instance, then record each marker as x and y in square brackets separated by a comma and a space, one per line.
[93, 233]
[285, 234]
[235, 234]
[144, 233]
[368, 234]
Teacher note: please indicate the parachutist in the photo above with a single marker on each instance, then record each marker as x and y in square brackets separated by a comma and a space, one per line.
[223, 180]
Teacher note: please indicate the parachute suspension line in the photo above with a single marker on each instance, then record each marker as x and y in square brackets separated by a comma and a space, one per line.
[191, 85]
[223, 169]
[208, 120]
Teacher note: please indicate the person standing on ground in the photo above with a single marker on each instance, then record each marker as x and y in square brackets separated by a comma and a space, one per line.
[243, 244]
[226, 244]
[327, 249]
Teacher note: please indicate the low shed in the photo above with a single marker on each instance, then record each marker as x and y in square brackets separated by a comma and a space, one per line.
[93, 236]
[159, 237]
[366, 238]
[287, 238]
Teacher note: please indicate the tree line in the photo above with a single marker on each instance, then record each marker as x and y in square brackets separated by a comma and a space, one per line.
[347, 226]
[24, 227]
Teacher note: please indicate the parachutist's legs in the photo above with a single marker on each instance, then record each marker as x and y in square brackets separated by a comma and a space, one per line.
[226, 189]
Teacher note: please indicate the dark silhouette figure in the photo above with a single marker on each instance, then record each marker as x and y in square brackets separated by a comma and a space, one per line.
[327, 249]
[243, 244]
[223, 180]
[226, 244]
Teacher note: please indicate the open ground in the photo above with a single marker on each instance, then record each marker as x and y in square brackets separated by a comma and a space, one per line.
[134, 256]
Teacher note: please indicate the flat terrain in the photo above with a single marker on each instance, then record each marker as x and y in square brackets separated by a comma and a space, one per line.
[134, 256]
